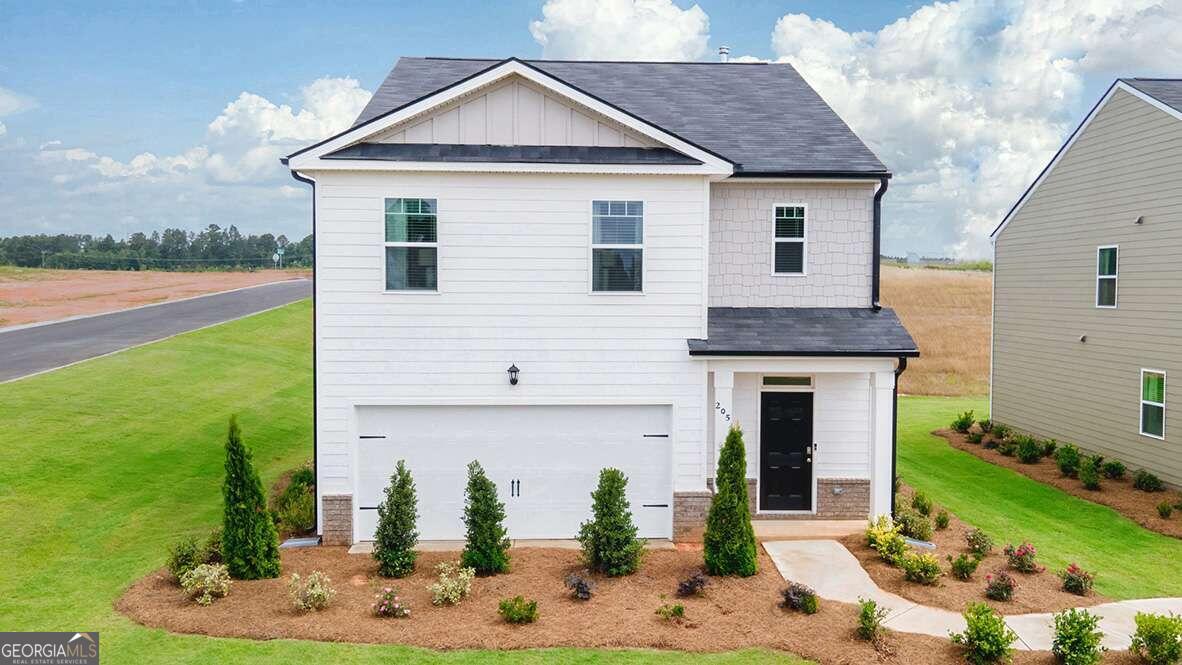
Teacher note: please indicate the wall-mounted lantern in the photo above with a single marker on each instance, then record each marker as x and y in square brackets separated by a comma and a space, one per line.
[513, 374]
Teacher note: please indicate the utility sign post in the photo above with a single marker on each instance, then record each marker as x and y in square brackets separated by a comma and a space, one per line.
[275, 259]
[280, 253]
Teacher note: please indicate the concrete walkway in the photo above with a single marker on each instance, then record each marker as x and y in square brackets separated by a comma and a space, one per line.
[835, 574]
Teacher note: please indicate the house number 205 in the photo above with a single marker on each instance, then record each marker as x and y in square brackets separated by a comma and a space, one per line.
[722, 411]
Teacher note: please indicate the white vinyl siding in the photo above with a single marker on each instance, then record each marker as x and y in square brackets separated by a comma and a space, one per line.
[617, 246]
[1106, 269]
[790, 245]
[1153, 403]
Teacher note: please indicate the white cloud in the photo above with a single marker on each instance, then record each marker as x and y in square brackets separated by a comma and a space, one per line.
[12, 102]
[3, 129]
[621, 30]
[966, 101]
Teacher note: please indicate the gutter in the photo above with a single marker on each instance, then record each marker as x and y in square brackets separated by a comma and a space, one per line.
[876, 259]
[315, 383]
[895, 430]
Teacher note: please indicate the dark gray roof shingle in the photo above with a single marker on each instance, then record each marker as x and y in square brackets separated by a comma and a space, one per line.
[1166, 91]
[803, 331]
[538, 154]
[763, 117]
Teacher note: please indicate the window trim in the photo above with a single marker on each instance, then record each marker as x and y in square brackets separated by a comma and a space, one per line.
[592, 246]
[1141, 402]
[803, 241]
[385, 244]
[1115, 277]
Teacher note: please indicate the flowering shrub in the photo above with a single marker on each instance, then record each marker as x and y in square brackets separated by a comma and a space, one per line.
[692, 585]
[1077, 580]
[581, 588]
[1022, 558]
[1000, 586]
[454, 583]
[206, 582]
[963, 422]
[986, 638]
[313, 592]
[1077, 640]
[883, 535]
[800, 598]
[963, 566]
[1158, 638]
[922, 568]
[979, 542]
[389, 604]
[518, 610]
[942, 520]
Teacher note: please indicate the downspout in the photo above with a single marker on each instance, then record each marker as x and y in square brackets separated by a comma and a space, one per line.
[315, 384]
[895, 430]
[877, 258]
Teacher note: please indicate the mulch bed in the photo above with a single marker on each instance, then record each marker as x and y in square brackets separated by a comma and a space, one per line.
[733, 614]
[1036, 592]
[1120, 495]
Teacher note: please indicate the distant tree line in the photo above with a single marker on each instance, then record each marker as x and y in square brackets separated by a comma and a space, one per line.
[213, 248]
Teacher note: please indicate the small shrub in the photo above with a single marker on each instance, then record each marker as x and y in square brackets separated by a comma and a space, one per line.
[1023, 558]
[1029, 450]
[518, 610]
[455, 583]
[800, 598]
[921, 503]
[297, 513]
[581, 588]
[396, 535]
[942, 520]
[1089, 474]
[1113, 470]
[987, 638]
[985, 425]
[980, 544]
[729, 542]
[486, 549]
[1158, 638]
[1067, 458]
[1048, 447]
[1164, 510]
[693, 585]
[205, 582]
[1000, 586]
[992, 444]
[304, 476]
[389, 604]
[921, 568]
[1147, 482]
[1098, 460]
[1077, 640]
[609, 538]
[670, 612]
[883, 536]
[1007, 448]
[1077, 580]
[211, 551]
[311, 593]
[183, 556]
[964, 422]
[1001, 431]
[963, 566]
[870, 618]
[914, 525]
[974, 437]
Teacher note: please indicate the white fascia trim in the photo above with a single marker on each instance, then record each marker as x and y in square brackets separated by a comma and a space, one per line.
[311, 158]
[506, 167]
[1117, 85]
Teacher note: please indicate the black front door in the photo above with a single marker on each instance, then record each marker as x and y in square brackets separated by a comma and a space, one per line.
[786, 451]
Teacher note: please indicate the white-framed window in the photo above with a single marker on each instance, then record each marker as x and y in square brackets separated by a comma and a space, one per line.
[1106, 260]
[788, 256]
[412, 246]
[1153, 403]
[617, 246]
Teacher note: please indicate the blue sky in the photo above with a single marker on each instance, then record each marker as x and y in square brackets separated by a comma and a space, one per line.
[88, 89]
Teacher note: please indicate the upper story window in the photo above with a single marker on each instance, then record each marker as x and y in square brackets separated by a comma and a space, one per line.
[1106, 276]
[617, 246]
[789, 240]
[412, 247]
[1153, 403]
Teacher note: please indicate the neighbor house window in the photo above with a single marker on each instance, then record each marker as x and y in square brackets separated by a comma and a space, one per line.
[1153, 403]
[412, 249]
[789, 240]
[1106, 276]
[617, 246]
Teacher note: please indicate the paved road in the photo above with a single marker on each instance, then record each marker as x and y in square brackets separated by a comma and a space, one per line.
[37, 349]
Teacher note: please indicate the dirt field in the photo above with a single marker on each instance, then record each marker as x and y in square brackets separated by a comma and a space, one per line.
[32, 295]
[947, 313]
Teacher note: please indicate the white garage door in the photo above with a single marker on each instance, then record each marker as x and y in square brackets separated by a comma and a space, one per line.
[545, 461]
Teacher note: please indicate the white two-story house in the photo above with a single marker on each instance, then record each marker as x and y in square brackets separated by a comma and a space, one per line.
[554, 267]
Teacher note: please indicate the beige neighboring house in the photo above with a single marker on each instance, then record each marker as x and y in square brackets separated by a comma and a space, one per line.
[1087, 304]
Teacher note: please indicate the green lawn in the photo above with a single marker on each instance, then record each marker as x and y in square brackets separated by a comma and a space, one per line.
[103, 464]
[1131, 562]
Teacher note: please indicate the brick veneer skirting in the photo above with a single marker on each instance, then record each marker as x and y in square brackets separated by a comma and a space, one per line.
[837, 499]
[337, 517]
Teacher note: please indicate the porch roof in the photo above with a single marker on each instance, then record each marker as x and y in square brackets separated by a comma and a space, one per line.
[803, 331]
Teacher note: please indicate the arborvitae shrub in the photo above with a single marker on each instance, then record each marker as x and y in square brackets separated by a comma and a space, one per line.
[487, 548]
[250, 544]
[609, 538]
[396, 536]
[729, 543]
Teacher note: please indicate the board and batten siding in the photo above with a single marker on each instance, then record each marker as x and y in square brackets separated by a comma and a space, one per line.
[514, 288]
[1127, 163]
[839, 236]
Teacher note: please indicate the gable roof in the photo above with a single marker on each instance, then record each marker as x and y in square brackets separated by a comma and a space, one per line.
[762, 117]
[1164, 94]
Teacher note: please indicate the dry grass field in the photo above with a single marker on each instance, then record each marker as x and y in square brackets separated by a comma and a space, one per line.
[947, 312]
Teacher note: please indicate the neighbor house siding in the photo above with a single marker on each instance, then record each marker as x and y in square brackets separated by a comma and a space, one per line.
[839, 233]
[514, 288]
[1127, 163]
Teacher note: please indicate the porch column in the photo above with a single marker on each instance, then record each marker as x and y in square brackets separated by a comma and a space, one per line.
[723, 406]
[882, 403]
